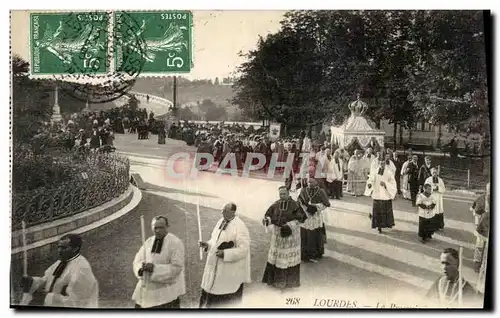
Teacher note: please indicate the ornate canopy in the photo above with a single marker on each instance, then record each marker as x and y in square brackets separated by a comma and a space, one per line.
[356, 127]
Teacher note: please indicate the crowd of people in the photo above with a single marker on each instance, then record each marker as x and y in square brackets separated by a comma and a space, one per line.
[95, 131]
[297, 233]
[296, 225]
[380, 173]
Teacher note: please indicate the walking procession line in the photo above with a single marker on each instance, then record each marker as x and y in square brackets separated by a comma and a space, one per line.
[160, 162]
[423, 266]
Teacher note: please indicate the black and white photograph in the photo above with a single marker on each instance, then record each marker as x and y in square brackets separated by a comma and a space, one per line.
[250, 159]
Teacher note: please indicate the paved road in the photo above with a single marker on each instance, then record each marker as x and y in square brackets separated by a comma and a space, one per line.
[359, 263]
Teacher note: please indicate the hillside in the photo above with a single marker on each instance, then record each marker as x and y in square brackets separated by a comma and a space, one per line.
[187, 91]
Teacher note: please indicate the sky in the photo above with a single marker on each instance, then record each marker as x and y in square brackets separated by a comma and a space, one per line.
[218, 37]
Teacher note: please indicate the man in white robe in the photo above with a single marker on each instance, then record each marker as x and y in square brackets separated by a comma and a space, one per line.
[438, 190]
[478, 207]
[322, 165]
[405, 185]
[344, 154]
[336, 175]
[357, 173]
[69, 282]
[228, 261]
[366, 162]
[161, 275]
[388, 162]
[445, 290]
[369, 156]
[482, 236]
[306, 144]
[381, 186]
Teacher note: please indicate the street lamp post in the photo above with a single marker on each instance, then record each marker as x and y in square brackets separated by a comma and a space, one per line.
[174, 113]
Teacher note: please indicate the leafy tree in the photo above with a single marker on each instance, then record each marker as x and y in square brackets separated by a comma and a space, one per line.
[281, 80]
[216, 82]
[211, 111]
[185, 113]
[408, 65]
[30, 102]
[207, 105]
[238, 116]
[218, 113]
[389, 51]
[19, 66]
[449, 85]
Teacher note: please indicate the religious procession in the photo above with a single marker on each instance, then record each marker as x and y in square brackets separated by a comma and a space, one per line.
[311, 180]
[296, 223]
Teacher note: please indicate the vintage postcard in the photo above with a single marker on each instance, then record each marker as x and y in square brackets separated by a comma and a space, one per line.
[250, 159]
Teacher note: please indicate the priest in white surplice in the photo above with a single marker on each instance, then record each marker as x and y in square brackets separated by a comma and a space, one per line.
[381, 186]
[336, 174]
[69, 282]
[438, 190]
[405, 184]
[306, 144]
[381, 155]
[228, 261]
[162, 270]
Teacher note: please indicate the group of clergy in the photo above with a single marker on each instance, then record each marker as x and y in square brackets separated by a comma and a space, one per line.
[159, 267]
[297, 234]
[413, 177]
[382, 186]
[342, 167]
[297, 231]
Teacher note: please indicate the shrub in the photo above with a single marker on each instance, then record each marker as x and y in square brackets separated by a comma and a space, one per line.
[33, 172]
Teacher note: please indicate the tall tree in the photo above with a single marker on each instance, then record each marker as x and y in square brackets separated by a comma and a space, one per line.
[449, 83]
[218, 113]
[409, 65]
[207, 105]
[19, 66]
[30, 102]
[389, 51]
[185, 113]
[280, 81]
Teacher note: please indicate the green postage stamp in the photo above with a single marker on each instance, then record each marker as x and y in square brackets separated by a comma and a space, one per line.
[69, 43]
[148, 42]
[159, 40]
